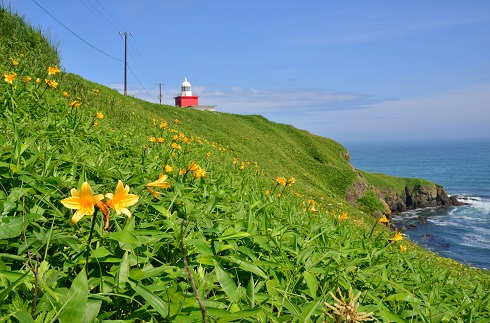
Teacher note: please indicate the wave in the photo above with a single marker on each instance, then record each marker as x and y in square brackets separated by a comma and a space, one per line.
[477, 202]
[442, 221]
[476, 240]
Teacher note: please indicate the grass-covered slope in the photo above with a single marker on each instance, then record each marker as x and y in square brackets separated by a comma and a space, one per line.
[224, 217]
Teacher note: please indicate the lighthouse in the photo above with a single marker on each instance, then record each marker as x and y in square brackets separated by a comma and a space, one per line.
[186, 99]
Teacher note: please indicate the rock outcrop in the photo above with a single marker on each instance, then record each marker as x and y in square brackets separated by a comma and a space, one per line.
[419, 197]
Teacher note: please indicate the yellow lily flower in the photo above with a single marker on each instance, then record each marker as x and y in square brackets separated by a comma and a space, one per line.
[397, 237]
[200, 173]
[9, 78]
[281, 180]
[176, 146]
[53, 70]
[344, 216]
[82, 201]
[51, 83]
[383, 219]
[160, 182]
[120, 200]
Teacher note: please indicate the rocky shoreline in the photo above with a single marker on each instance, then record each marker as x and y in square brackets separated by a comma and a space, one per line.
[419, 197]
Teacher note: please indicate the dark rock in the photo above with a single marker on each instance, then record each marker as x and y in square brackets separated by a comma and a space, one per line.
[420, 197]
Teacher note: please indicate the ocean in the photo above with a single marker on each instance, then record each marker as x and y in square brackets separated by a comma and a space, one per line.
[463, 168]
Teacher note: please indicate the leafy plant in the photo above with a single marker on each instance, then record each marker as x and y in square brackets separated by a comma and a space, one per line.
[178, 215]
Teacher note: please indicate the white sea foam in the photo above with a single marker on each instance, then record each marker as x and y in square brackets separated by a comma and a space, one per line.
[482, 204]
[442, 221]
[476, 240]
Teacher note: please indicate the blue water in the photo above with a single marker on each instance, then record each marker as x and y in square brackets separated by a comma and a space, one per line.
[463, 168]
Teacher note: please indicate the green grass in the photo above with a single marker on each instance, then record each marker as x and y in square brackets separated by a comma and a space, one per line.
[257, 251]
[398, 184]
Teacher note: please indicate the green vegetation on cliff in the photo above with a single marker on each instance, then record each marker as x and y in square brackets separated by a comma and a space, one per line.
[224, 217]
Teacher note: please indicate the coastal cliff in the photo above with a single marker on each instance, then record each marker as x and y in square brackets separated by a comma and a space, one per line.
[396, 194]
[419, 196]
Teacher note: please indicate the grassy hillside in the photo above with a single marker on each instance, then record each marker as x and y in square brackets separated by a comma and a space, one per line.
[114, 209]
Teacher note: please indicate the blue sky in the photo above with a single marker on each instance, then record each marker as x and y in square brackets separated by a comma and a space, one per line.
[347, 70]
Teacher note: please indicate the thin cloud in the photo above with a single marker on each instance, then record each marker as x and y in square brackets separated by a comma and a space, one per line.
[284, 101]
[462, 113]
[355, 26]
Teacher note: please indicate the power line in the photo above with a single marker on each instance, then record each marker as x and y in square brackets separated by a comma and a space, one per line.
[141, 63]
[86, 42]
[122, 28]
[99, 15]
[137, 57]
[99, 50]
[131, 70]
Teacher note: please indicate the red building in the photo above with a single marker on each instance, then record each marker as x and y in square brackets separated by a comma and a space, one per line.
[186, 99]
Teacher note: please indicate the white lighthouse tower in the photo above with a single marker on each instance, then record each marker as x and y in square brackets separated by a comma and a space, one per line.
[186, 88]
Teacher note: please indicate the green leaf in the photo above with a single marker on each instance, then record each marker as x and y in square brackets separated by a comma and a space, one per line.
[23, 317]
[311, 282]
[91, 310]
[310, 310]
[127, 240]
[74, 308]
[18, 192]
[123, 271]
[225, 318]
[237, 235]
[10, 227]
[247, 266]
[201, 246]
[404, 297]
[100, 252]
[227, 283]
[152, 299]
[163, 210]
[136, 274]
[251, 291]
[5, 292]
[389, 316]
[12, 276]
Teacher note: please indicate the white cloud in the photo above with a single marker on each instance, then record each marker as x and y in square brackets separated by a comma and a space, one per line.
[462, 113]
[283, 101]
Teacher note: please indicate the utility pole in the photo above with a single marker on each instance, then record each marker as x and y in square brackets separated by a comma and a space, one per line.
[125, 59]
[160, 95]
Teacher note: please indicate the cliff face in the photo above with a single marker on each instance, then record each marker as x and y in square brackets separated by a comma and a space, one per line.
[419, 197]
[398, 195]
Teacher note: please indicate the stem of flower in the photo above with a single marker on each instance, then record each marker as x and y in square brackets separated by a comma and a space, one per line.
[189, 273]
[372, 229]
[89, 246]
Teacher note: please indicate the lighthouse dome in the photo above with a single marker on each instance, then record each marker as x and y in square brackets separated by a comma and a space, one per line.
[186, 88]
[186, 83]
